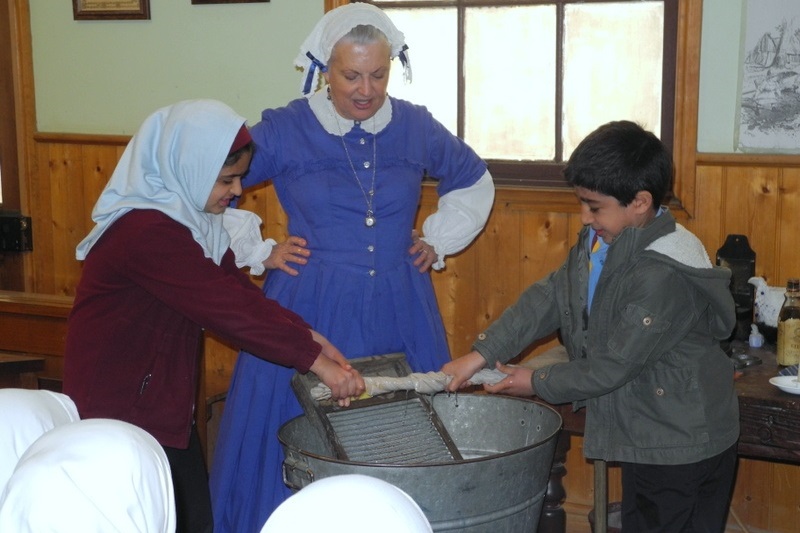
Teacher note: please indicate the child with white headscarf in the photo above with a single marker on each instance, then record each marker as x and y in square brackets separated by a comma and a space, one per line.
[369, 504]
[157, 272]
[25, 415]
[90, 476]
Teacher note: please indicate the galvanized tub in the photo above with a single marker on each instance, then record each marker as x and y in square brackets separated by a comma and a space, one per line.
[507, 446]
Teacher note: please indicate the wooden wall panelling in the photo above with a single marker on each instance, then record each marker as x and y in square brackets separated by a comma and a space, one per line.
[788, 227]
[545, 238]
[454, 295]
[707, 220]
[457, 298]
[41, 212]
[750, 198]
[499, 265]
[66, 187]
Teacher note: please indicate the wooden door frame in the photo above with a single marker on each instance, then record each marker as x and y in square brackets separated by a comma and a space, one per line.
[18, 266]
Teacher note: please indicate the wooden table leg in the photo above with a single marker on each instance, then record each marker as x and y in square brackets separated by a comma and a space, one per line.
[553, 518]
[600, 496]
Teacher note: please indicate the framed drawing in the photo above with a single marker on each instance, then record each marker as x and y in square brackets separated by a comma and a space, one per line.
[769, 78]
[227, 1]
[110, 9]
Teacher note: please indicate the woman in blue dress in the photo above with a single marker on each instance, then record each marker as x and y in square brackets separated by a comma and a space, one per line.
[347, 163]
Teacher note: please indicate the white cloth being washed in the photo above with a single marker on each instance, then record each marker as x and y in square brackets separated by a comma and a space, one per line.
[421, 382]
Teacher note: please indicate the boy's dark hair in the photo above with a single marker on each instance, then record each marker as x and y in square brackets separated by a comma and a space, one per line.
[620, 159]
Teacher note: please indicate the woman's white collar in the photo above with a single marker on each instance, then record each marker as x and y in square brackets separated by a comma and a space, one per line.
[327, 116]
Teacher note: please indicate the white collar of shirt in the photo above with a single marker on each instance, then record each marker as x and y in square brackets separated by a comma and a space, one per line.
[327, 116]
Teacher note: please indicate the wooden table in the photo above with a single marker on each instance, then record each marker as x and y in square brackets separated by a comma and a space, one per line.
[19, 371]
[769, 420]
[769, 417]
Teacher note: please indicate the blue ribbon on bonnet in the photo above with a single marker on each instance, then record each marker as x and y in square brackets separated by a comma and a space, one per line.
[406, 65]
[312, 71]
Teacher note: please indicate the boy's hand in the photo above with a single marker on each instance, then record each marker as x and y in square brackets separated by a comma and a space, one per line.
[462, 369]
[517, 382]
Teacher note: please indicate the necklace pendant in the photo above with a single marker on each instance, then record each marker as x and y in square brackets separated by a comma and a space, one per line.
[369, 221]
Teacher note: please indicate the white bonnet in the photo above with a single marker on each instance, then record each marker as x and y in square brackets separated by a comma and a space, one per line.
[335, 24]
[370, 504]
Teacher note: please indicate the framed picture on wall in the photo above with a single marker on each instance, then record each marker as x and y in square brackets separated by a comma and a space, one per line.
[110, 10]
[769, 78]
[227, 1]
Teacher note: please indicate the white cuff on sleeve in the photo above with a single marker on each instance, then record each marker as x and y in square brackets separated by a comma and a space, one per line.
[460, 217]
[244, 228]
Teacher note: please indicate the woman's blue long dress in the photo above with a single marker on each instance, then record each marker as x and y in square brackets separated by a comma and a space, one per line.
[359, 289]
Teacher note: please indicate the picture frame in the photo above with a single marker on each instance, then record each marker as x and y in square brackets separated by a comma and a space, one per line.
[201, 2]
[111, 9]
[768, 102]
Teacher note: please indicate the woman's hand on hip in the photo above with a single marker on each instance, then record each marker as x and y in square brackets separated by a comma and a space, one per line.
[424, 252]
[292, 250]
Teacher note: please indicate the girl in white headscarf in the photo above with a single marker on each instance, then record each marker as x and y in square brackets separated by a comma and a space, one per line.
[24, 416]
[349, 503]
[157, 272]
[91, 476]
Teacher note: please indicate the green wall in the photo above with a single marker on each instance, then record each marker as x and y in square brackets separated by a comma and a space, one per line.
[719, 75]
[105, 77]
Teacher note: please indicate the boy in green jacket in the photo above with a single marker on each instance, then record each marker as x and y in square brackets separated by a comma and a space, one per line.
[641, 312]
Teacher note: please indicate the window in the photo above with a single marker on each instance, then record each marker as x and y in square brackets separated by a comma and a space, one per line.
[524, 81]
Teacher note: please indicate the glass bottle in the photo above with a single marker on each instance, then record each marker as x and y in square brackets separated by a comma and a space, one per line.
[737, 255]
[789, 326]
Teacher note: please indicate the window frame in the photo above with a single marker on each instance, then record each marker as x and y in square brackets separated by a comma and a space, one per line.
[538, 173]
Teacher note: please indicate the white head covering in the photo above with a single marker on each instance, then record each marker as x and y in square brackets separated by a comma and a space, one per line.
[335, 24]
[24, 416]
[171, 165]
[346, 503]
[92, 476]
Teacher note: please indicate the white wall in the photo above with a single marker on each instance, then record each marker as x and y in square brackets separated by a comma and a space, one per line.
[105, 77]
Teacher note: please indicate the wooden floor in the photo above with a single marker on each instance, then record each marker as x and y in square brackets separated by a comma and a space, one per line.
[577, 519]
[578, 522]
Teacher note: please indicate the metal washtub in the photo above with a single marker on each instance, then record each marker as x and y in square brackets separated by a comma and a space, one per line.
[475, 463]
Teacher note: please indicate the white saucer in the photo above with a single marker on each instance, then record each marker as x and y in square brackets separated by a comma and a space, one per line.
[786, 384]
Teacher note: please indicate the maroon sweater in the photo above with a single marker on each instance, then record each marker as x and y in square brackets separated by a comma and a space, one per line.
[145, 294]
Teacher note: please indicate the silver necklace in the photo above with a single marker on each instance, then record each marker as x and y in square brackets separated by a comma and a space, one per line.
[369, 218]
